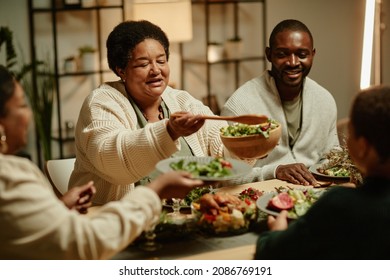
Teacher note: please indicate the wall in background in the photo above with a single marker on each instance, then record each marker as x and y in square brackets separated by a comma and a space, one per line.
[386, 42]
[337, 27]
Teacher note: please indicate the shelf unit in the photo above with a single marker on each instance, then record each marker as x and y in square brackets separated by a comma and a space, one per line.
[236, 62]
[57, 9]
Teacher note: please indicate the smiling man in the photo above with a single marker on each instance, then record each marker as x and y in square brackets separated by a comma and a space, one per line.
[306, 110]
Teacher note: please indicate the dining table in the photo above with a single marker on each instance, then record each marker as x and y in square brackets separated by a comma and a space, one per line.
[200, 246]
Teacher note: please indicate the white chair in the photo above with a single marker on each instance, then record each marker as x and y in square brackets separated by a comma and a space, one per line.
[58, 172]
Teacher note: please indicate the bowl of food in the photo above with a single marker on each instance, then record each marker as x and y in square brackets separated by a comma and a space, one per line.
[251, 141]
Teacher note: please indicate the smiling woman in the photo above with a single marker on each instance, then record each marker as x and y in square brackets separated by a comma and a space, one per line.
[126, 127]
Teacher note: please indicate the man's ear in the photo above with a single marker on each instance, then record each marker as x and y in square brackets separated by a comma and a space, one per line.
[268, 53]
[121, 73]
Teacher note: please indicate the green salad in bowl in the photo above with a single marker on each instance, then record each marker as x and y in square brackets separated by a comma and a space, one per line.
[251, 141]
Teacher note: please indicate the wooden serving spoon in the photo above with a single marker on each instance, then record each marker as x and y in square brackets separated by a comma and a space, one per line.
[246, 119]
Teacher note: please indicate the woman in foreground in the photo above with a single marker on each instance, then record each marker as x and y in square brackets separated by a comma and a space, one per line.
[345, 223]
[36, 225]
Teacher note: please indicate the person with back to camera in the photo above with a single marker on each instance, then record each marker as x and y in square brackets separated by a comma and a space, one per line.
[35, 224]
[126, 127]
[307, 111]
[345, 223]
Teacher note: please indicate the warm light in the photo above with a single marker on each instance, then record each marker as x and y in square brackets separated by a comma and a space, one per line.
[368, 41]
[174, 17]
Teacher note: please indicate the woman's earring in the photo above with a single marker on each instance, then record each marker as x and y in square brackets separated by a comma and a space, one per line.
[3, 141]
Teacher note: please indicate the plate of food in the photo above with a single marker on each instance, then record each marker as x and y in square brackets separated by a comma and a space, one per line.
[234, 215]
[330, 172]
[295, 201]
[206, 168]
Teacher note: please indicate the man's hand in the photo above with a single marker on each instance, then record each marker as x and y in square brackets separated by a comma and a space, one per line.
[296, 173]
[278, 223]
[79, 197]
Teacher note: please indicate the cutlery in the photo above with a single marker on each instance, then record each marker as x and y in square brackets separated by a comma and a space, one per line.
[245, 119]
[322, 184]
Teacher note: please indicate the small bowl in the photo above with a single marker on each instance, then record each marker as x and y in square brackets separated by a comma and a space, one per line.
[252, 146]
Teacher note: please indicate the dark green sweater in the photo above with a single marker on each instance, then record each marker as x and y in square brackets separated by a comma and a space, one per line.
[345, 223]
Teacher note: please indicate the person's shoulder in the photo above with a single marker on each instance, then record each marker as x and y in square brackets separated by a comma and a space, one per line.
[318, 91]
[314, 86]
[258, 82]
[338, 193]
[177, 94]
[7, 160]
[106, 92]
[174, 91]
[11, 166]
[250, 87]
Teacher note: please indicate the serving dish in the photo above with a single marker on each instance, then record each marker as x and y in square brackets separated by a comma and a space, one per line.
[253, 146]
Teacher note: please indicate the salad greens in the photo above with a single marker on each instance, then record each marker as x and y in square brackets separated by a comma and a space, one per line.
[196, 193]
[303, 200]
[339, 157]
[240, 129]
[337, 171]
[217, 167]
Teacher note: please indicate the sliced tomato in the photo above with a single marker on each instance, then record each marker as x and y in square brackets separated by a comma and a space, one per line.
[247, 201]
[226, 163]
[265, 127]
[281, 201]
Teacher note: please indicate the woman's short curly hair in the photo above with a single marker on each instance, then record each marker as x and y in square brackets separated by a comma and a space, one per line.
[370, 117]
[126, 36]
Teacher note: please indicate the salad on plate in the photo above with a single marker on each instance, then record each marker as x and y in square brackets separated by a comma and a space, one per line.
[296, 201]
[217, 167]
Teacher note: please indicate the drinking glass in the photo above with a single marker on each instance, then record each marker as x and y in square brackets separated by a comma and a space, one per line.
[150, 243]
[176, 217]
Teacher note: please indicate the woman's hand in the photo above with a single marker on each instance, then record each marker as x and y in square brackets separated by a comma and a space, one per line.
[79, 197]
[174, 184]
[278, 223]
[183, 124]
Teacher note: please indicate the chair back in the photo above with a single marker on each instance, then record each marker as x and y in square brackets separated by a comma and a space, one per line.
[58, 172]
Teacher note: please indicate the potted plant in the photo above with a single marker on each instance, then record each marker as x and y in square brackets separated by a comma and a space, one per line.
[233, 47]
[70, 64]
[87, 58]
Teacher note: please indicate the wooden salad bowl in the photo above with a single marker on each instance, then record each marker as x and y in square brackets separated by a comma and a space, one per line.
[252, 146]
